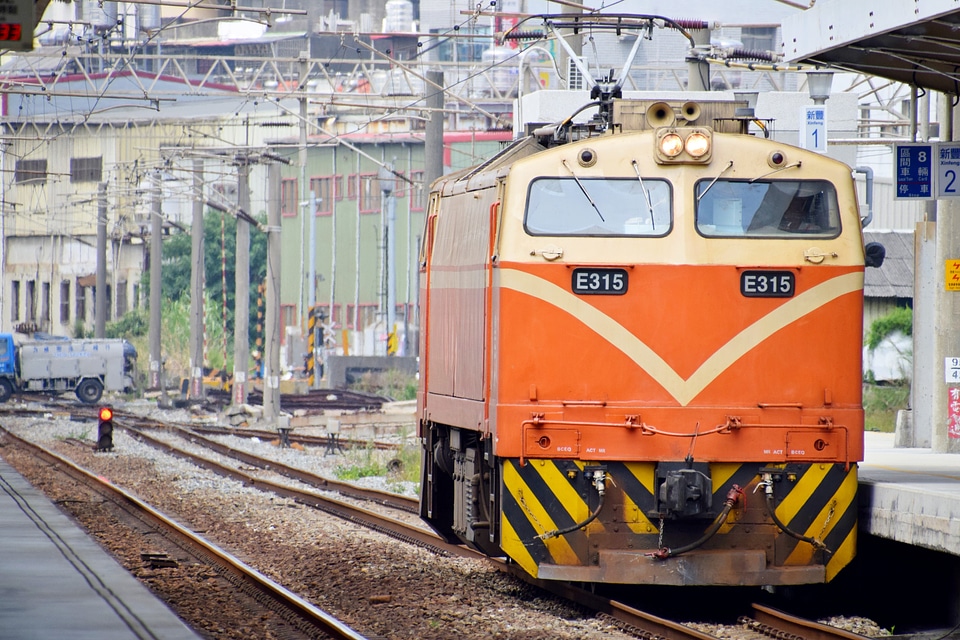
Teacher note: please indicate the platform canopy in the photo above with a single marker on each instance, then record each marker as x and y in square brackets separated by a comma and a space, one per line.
[916, 42]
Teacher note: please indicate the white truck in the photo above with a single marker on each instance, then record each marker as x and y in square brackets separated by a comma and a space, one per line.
[85, 367]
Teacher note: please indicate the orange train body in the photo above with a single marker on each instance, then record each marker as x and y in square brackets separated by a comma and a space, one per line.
[617, 353]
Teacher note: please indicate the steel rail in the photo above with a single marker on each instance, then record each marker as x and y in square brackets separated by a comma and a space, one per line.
[385, 498]
[344, 510]
[641, 623]
[244, 576]
[778, 624]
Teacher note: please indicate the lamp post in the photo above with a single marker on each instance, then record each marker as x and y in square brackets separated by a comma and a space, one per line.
[818, 85]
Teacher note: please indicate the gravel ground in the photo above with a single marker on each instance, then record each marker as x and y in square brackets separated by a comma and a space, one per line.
[377, 585]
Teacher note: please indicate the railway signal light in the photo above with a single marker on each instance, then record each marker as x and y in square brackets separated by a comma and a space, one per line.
[105, 430]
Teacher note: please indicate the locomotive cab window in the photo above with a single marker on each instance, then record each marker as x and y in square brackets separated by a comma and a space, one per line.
[599, 207]
[763, 209]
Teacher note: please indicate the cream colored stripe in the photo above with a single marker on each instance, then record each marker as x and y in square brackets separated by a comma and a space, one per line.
[682, 390]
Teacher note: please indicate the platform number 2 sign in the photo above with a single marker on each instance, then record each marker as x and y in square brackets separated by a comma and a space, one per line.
[948, 170]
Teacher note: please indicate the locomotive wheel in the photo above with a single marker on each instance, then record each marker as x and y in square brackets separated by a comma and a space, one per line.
[6, 390]
[90, 391]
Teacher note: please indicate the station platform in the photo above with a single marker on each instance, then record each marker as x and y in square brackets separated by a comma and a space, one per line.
[56, 582]
[910, 495]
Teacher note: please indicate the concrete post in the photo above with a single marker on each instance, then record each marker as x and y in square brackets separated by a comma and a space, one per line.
[946, 423]
[698, 70]
[271, 375]
[100, 312]
[197, 285]
[433, 135]
[156, 260]
[241, 300]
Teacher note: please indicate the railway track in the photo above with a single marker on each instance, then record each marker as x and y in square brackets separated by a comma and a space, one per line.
[375, 520]
[777, 624]
[764, 620]
[305, 616]
[761, 622]
[386, 498]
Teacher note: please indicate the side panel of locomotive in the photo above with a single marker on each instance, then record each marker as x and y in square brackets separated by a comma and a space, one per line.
[673, 388]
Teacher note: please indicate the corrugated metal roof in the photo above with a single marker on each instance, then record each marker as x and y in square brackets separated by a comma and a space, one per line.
[895, 278]
[910, 42]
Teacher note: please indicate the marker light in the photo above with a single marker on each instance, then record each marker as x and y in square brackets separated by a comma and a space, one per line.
[106, 413]
[697, 144]
[671, 145]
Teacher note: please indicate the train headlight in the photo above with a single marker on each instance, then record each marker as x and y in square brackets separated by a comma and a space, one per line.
[697, 144]
[671, 145]
[676, 145]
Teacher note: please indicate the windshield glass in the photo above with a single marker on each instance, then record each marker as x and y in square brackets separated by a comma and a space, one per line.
[784, 208]
[599, 207]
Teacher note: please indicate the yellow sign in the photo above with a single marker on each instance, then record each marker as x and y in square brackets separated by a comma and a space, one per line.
[952, 280]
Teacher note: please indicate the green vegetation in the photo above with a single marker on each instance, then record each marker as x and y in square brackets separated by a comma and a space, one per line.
[881, 403]
[76, 435]
[175, 331]
[900, 319]
[394, 384]
[398, 466]
[220, 234]
[219, 258]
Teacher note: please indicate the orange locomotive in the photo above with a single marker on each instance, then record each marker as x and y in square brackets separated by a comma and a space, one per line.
[641, 359]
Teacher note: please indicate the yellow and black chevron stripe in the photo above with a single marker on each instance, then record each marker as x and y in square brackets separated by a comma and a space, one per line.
[820, 504]
[542, 496]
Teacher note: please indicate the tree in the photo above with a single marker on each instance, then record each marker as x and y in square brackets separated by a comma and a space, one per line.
[220, 251]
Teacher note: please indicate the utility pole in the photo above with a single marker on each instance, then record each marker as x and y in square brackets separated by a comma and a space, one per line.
[946, 392]
[390, 222]
[241, 301]
[313, 355]
[156, 260]
[576, 45]
[698, 69]
[100, 320]
[197, 288]
[302, 159]
[271, 338]
[433, 134]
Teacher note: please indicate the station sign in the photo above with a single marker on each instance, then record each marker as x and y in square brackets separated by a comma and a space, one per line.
[913, 171]
[813, 128]
[948, 170]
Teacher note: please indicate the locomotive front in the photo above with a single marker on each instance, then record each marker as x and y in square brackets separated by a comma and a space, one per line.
[665, 360]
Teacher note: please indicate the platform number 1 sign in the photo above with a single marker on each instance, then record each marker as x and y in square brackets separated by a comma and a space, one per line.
[813, 134]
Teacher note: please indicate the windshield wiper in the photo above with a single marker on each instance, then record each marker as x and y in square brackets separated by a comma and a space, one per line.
[646, 195]
[795, 165]
[586, 195]
[714, 181]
